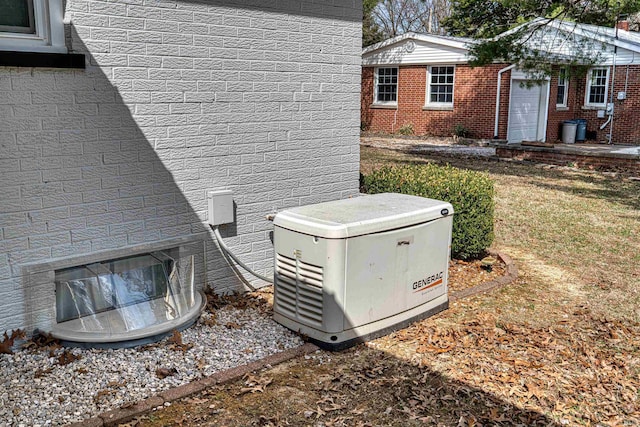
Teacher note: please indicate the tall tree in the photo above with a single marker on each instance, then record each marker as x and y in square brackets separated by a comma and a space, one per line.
[371, 32]
[397, 17]
[485, 19]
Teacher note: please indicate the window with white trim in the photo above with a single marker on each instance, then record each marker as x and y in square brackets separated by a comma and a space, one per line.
[440, 85]
[32, 26]
[597, 82]
[386, 86]
[563, 88]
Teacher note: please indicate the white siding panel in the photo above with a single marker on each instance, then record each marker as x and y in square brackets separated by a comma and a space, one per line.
[563, 43]
[423, 53]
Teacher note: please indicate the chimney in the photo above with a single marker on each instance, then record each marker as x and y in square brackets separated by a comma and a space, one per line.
[623, 25]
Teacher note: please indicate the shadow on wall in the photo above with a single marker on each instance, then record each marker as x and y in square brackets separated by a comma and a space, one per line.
[110, 185]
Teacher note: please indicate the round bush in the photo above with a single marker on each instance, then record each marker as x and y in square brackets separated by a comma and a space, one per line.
[469, 192]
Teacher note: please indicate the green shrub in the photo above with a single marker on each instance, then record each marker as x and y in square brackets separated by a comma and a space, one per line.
[406, 129]
[470, 193]
[461, 131]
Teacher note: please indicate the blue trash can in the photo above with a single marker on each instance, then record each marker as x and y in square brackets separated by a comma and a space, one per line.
[581, 130]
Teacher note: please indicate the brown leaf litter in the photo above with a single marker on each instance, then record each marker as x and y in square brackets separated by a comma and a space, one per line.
[8, 341]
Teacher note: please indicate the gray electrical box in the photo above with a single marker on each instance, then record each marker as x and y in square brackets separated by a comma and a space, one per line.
[350, 270]
[220, 203]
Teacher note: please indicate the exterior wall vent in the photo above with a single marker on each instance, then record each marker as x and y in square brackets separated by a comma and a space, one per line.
[300, 289]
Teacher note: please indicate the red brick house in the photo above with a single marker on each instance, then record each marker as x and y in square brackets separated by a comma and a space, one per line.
[424, 82]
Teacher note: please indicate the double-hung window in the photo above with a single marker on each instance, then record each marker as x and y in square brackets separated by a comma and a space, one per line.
[386, 86]
[32, 26]
[440, 86]
[597, 82]
[563, 88]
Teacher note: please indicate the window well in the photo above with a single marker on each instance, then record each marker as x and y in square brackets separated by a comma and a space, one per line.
[126, 301]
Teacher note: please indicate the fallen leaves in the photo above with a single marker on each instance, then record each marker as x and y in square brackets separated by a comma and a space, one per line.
[67, 357]
[175, 342]
[466, 274]
[233, 325]
[254, 384]
[579, 366]
[163, 373]
[7, 343]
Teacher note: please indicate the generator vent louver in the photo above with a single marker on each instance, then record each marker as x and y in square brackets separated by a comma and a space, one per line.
[299, 289]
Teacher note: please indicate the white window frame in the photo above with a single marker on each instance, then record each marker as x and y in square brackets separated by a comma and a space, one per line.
[563, 76]
[588, 88]
[428, 102]
[49, 31]
[375, 87]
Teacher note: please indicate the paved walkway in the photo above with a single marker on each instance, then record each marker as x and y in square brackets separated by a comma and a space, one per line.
[485, 148]
[435, 144]
[628, 151]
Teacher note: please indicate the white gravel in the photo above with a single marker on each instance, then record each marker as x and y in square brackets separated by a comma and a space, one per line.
[36, 390]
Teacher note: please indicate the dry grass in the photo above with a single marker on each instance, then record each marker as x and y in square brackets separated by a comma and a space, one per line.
[558, 347]
[577, 230]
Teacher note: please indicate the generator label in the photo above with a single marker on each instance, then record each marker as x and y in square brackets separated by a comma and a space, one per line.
[428, 282]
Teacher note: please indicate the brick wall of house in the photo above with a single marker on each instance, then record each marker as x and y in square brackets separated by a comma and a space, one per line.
[556, 115]
[474, 105]
[179, 97]
[626, 123]
[474, 102]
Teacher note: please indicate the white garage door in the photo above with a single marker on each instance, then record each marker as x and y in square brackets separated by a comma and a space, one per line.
[526, 113]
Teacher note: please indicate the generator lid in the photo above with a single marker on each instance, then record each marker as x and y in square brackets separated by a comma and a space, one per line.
[362, 215]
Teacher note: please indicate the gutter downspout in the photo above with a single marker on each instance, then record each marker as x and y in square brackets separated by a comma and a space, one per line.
[507, 68]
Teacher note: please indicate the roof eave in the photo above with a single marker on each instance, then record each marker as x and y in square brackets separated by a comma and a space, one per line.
[420, 37]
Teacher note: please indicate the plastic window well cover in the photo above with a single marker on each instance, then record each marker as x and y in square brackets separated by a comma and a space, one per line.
[125, 299]
[362, 215]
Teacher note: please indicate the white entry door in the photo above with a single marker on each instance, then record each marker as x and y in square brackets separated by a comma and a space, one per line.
[527, 108]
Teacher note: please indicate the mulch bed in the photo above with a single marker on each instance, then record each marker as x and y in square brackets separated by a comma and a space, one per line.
[467, 274]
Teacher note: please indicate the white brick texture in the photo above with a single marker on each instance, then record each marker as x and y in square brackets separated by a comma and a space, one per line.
[260, 97]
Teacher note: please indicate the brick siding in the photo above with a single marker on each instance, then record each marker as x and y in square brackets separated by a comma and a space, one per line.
[474, 102]
[179, 97]
[626, 123]
[474, 105]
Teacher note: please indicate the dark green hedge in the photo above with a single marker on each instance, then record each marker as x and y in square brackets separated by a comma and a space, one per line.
[471, 194]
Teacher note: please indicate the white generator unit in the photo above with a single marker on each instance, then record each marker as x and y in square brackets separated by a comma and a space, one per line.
[355, 269]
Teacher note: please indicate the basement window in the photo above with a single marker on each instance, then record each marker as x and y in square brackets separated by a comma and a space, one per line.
[127, 299]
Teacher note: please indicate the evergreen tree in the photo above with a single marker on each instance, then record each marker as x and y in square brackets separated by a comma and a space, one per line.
[485, 19]
[371, 33]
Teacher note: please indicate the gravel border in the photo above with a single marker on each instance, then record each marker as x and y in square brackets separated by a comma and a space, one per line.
[55, 386]
[122, 415]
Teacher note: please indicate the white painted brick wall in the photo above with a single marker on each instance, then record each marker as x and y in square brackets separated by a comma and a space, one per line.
[179, 97]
